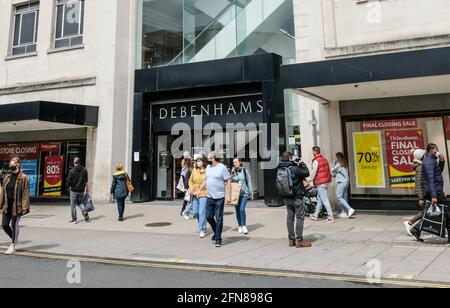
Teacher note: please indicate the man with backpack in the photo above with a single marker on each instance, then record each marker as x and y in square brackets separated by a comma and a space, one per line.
[290, 186]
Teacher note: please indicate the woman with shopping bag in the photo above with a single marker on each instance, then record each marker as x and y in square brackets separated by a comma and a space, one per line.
[241, 177]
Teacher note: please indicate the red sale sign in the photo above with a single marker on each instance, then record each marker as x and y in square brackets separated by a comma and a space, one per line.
[400, 146]
[53, 175]
[388, 124]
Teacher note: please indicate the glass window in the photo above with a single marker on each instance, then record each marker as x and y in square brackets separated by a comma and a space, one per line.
[381, 154]
[69, 23]
[186, 31]
[25, 28]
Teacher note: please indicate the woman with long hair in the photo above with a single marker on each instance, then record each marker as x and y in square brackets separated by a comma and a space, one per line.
[14, 201]
[341, 175]
[199, 193]
[242, 176]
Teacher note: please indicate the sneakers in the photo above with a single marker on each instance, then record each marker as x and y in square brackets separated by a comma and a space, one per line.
[202, 235]
[120, 219]
[11, 250]
[218, 244]
[343, 215]
[408, 228]
[74, 221]
[186, 217]
[351, 213]
[86, 217]
[240, 230]
[314, 217]
[331, 221]
[245, 230]
[416, 235]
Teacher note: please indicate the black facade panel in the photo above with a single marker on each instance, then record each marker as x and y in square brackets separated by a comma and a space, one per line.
[390, 66]
[50, 112]
[145, 80]
[19, 112]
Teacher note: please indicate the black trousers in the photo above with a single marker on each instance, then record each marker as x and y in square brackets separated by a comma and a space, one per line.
[10, 223]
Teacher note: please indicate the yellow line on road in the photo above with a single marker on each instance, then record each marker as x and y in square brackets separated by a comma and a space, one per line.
[225, 270]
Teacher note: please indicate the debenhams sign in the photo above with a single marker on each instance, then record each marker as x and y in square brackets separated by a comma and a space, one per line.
[218, 109]
[234, 110]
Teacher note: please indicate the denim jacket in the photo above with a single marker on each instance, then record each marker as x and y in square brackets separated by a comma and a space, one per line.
[340, 173]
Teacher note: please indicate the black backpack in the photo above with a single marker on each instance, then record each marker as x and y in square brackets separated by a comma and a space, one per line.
[285, 183]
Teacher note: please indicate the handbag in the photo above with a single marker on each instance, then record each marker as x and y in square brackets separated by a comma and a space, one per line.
[88, 204]
[188, 197]
[434, 219]
[180, 185]
[232, 194]
[130, 186]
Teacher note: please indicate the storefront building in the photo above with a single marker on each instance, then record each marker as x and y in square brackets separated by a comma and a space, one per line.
[379, 84]
[218, 60]
[64, 91]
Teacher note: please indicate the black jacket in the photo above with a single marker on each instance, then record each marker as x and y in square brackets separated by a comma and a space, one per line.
[77, 179]
[432, 179]
[299, 173]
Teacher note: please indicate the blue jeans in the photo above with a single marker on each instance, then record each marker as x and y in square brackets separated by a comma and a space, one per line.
[214, 215]
[322, 200]
[342, 196]
[199, 209]
[188, 209]
[241, 215]
[121, 206]
[76, 199]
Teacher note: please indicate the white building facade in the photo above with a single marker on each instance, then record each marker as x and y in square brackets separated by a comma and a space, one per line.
[66, 67]
[376, 75]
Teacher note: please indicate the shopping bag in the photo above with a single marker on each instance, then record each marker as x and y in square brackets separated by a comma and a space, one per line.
[434, 219]
[188, 196]
[232, 193]
[180, 185]
[88, 204]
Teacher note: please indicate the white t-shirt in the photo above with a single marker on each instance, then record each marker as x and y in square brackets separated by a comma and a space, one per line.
[215, 181]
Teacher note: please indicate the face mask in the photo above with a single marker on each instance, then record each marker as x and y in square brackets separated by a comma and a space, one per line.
[13, 168]
[200, 165]
[210, 163]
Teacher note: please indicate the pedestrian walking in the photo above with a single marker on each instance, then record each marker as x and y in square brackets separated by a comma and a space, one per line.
[321, 178]
[77, 181]
[419, 155]
[14, 202]
[240, 175]
[199, 193]
[217, 176]
[119, 189]
[290, 185]
[341, 175]
[433, 185]
[186, 171]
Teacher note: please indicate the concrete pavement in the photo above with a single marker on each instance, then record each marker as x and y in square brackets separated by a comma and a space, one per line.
[156, 232]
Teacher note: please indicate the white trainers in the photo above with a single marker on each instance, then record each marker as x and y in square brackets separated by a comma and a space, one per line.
[343, 215]
[202, 234]
[408, 228]
[245, 230]
[351, 213]
[11, 250]
[314, 217]
[240, 230]
[186, 217]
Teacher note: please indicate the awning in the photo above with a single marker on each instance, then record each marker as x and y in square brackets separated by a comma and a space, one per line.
[41, 115]
[419, 72]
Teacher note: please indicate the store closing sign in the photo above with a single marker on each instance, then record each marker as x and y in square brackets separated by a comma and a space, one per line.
[400, 146]
[369, 161]
[53, 174]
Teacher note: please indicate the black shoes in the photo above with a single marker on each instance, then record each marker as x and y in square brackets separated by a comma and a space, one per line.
[120, 219]
[416, 234]
[86, 217]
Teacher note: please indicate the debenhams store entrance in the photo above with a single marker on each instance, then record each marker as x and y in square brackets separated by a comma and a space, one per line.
[189, 108]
